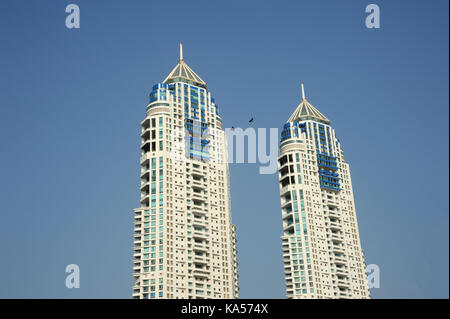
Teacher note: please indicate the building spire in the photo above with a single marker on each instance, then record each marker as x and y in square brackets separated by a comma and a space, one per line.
[183, 73]
[181, 52]
[303, 92]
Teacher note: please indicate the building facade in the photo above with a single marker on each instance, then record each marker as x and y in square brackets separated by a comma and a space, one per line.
[322, 254]
[184, 240]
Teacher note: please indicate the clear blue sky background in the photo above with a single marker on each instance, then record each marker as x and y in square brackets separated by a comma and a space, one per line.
[72, 100]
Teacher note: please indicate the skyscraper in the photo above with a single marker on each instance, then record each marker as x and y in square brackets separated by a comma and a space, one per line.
[321, 247]
[184, 241]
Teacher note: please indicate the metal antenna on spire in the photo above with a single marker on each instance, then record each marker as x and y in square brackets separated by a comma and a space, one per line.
[303, 92]
[181, 52]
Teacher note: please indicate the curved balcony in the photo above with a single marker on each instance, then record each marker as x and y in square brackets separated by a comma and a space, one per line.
[145, 158]
[288, 226]
[145, 174]
[145, 198]
[145, 134]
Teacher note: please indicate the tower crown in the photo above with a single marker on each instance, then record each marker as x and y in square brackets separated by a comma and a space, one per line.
[306, 111]
[183, 73]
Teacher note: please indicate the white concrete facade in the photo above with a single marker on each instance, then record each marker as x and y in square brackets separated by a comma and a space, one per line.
[322, 253]
[184, 240]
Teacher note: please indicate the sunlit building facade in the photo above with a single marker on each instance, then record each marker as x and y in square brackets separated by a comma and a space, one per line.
[184, 240]
[322, 253]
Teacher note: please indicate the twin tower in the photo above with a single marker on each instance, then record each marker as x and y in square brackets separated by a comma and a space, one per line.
[184, 239]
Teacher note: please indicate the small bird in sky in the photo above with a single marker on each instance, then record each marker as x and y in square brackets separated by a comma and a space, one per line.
[232, 127]
[251, 120]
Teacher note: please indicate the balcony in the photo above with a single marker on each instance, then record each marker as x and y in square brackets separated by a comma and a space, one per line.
[198, 210]
[199, 235]
[343, 284]
[337, 238]
[145, 198]
[198, 172]
[201, 260]
[145, 143]
[136, 291]
[288, 226]
[333, 214]
[286, 214]
[341, 272]
[199, 196]
[145, 132]
[145, 185]
[338, 249]
[332, 203]
[200, 247]
[285, 189]
[199, 184]
[339, 260]
[145, 123]
[199, 222]
[335, 226]
[145, 173]
[286, 204]
[201, 273]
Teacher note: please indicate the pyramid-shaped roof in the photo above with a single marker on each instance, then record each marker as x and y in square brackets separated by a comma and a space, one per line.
[306, 111]
[183, 73]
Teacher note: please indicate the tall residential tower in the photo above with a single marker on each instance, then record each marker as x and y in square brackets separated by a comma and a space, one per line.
[184, 241]
[322, 253]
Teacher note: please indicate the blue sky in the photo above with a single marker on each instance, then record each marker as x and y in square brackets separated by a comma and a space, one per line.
[72, 101]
